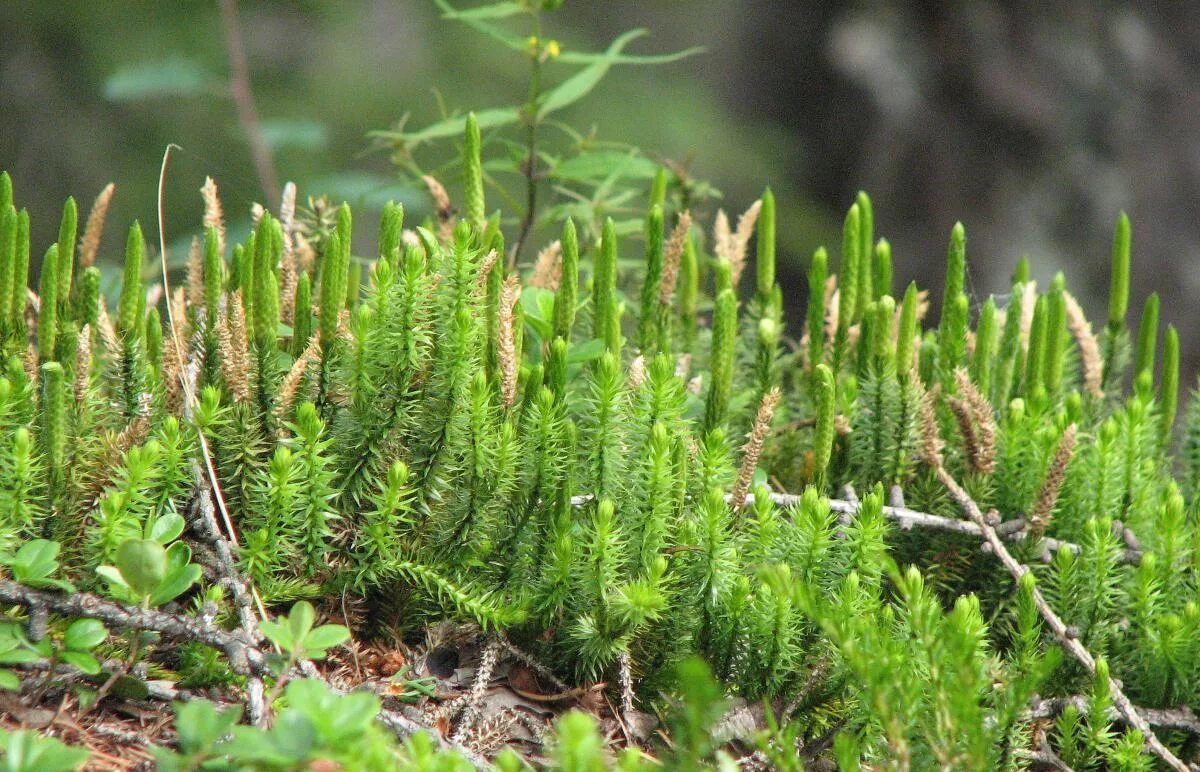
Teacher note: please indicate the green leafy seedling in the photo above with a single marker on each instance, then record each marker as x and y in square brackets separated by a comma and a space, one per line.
[200, 730]
[34, 564]
[27, 751]
[149, 572]
[295, 635]
[14, 650]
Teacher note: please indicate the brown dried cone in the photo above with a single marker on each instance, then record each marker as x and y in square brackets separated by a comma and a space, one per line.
[732, 246]
[671, 258]
[930, 446]
[213, 216]
[962, 417]
[233, 347]
[83, 364]
[445, 211]
[289, 274]
[547, 268]
[1028, 302]
[1089, 348]
[1039, 516]
[291, 382]
[89, 243]
[506, 347]
[485, 269]
[171, 375]
[973, 413]
[195, 274]
[637, 372]
[752, 450]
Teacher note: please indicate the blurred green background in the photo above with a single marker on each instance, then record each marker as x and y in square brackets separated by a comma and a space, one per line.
[1033, 123]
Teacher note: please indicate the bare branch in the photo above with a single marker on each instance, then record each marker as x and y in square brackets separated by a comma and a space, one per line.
[1055, 622]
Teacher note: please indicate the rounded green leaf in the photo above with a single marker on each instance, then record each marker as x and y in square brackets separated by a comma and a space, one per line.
[85, 634]
[142, 563]
[167, 528]
[81, 661]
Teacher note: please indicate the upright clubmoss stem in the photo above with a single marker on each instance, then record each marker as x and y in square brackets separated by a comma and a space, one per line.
[1147, 342]
[823, 398]
[66, 255]
[20, 275]
[848, 282]
[212, 274]
[131, 284]
[983, 361]
[302, 316]
[473, 173]
[765, 258]
[48, 315]
[1036, 362]
[882, 268]
[8, 259]
[952, 328]
[568, 286]
[817, 275]
[647, 326]
[866, 242]
[906, 333]
[1168, 391]
[54, 422]
[1118, 295]
[1056, 334]
[721, 362]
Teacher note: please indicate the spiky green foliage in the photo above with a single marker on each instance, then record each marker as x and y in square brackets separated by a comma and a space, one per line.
[533, 478]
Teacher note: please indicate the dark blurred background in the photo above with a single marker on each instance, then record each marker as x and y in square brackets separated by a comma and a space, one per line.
[1033, 123]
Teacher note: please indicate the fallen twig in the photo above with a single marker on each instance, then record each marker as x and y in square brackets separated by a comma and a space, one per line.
[244, 656]
[1182, 719]
[1055, 622]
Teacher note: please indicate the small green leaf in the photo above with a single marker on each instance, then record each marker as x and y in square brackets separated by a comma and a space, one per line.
[129, 687]
[454, 127]
[494, 11]
[199, 725]
[35, 560]
[578, 85]
[586, 351]
[278, 634]
[175, 77]
[601, 164]
[81, 661]
[9, 681]
[143, 564]
[326, 637]
[300, 620]
[176, 582]
[297, 133]
[112, 575]
[85, 634]
[166, 528]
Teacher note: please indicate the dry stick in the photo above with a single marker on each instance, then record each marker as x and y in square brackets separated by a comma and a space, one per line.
[1012, 530]
[205, 523]
[625, 674]
[1056, 624]
[244, 656]
[483, 678]
[243, 98]
[1182, 719]
[254, 685]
